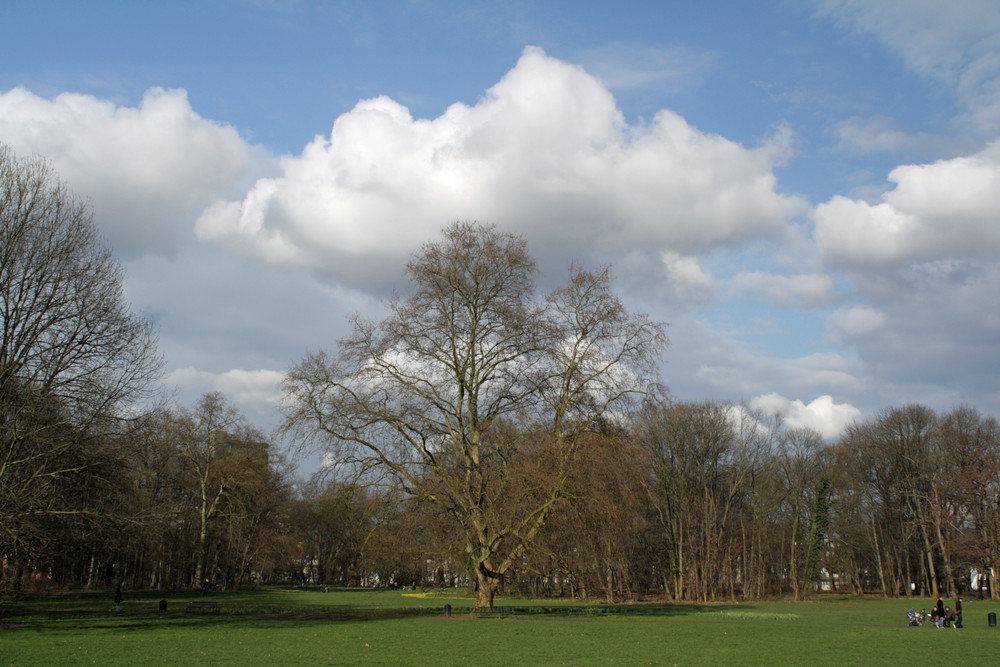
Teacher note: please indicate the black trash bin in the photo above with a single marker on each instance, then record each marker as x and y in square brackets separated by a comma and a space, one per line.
[163, 605]
[992, 617]
[447, 610]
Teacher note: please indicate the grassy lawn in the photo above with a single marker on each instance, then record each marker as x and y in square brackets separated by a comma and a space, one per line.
[399, 628]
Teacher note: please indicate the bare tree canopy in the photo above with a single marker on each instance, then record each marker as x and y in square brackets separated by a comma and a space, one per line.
[221, 451]
[73, 358]
[474, 392]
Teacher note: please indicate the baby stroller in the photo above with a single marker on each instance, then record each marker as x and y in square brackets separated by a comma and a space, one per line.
[916, 618]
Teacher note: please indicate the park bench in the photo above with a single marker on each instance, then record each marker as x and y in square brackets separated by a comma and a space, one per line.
[203, 607]
[489, 612]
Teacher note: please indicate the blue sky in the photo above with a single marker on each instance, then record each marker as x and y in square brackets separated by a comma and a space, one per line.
[806, 191]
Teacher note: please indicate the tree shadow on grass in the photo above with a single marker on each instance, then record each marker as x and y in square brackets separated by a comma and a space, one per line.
[73, 623]
[635, 610]
[91, 609]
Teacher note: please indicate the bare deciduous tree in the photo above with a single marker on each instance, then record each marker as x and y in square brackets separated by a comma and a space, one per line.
[221, 451]
[798, 469]
[703, 459]
[474, 393]
[73, 358]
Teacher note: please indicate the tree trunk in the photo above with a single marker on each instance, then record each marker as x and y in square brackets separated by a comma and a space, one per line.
[487, 584]
[793, 568]
[878, 557]
[949, 575]
[90, 571]
[199, 562]
[931, 569]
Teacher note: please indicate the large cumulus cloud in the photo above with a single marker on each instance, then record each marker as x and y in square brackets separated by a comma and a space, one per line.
[822, 414]
[545, 152]
[149, 170]
[924, 261]
[946, 209]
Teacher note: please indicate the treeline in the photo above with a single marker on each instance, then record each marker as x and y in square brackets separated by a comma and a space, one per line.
[695, 501]
[711, 501]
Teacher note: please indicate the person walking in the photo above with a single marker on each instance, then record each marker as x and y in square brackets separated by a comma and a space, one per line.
[118, 599]
[958, 612]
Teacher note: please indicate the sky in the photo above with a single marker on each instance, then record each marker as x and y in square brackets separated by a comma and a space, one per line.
[806, 191]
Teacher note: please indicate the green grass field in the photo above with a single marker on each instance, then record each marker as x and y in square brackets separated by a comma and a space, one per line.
[291, 627]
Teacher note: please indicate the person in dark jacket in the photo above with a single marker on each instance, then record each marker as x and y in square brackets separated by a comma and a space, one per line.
[939, 613]
[118, 599]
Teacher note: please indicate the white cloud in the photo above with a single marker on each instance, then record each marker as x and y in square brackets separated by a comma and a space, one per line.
[956, 44]
[849, 324]
[942, 210]
[546, 152]
[625, 66]
[149, 170]
[822, 414]
[730, 369]
[878, 133]
[256, 392]
[797, 291]
[685, 277]
[934, 39]
[922, 257]
[930, 331]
